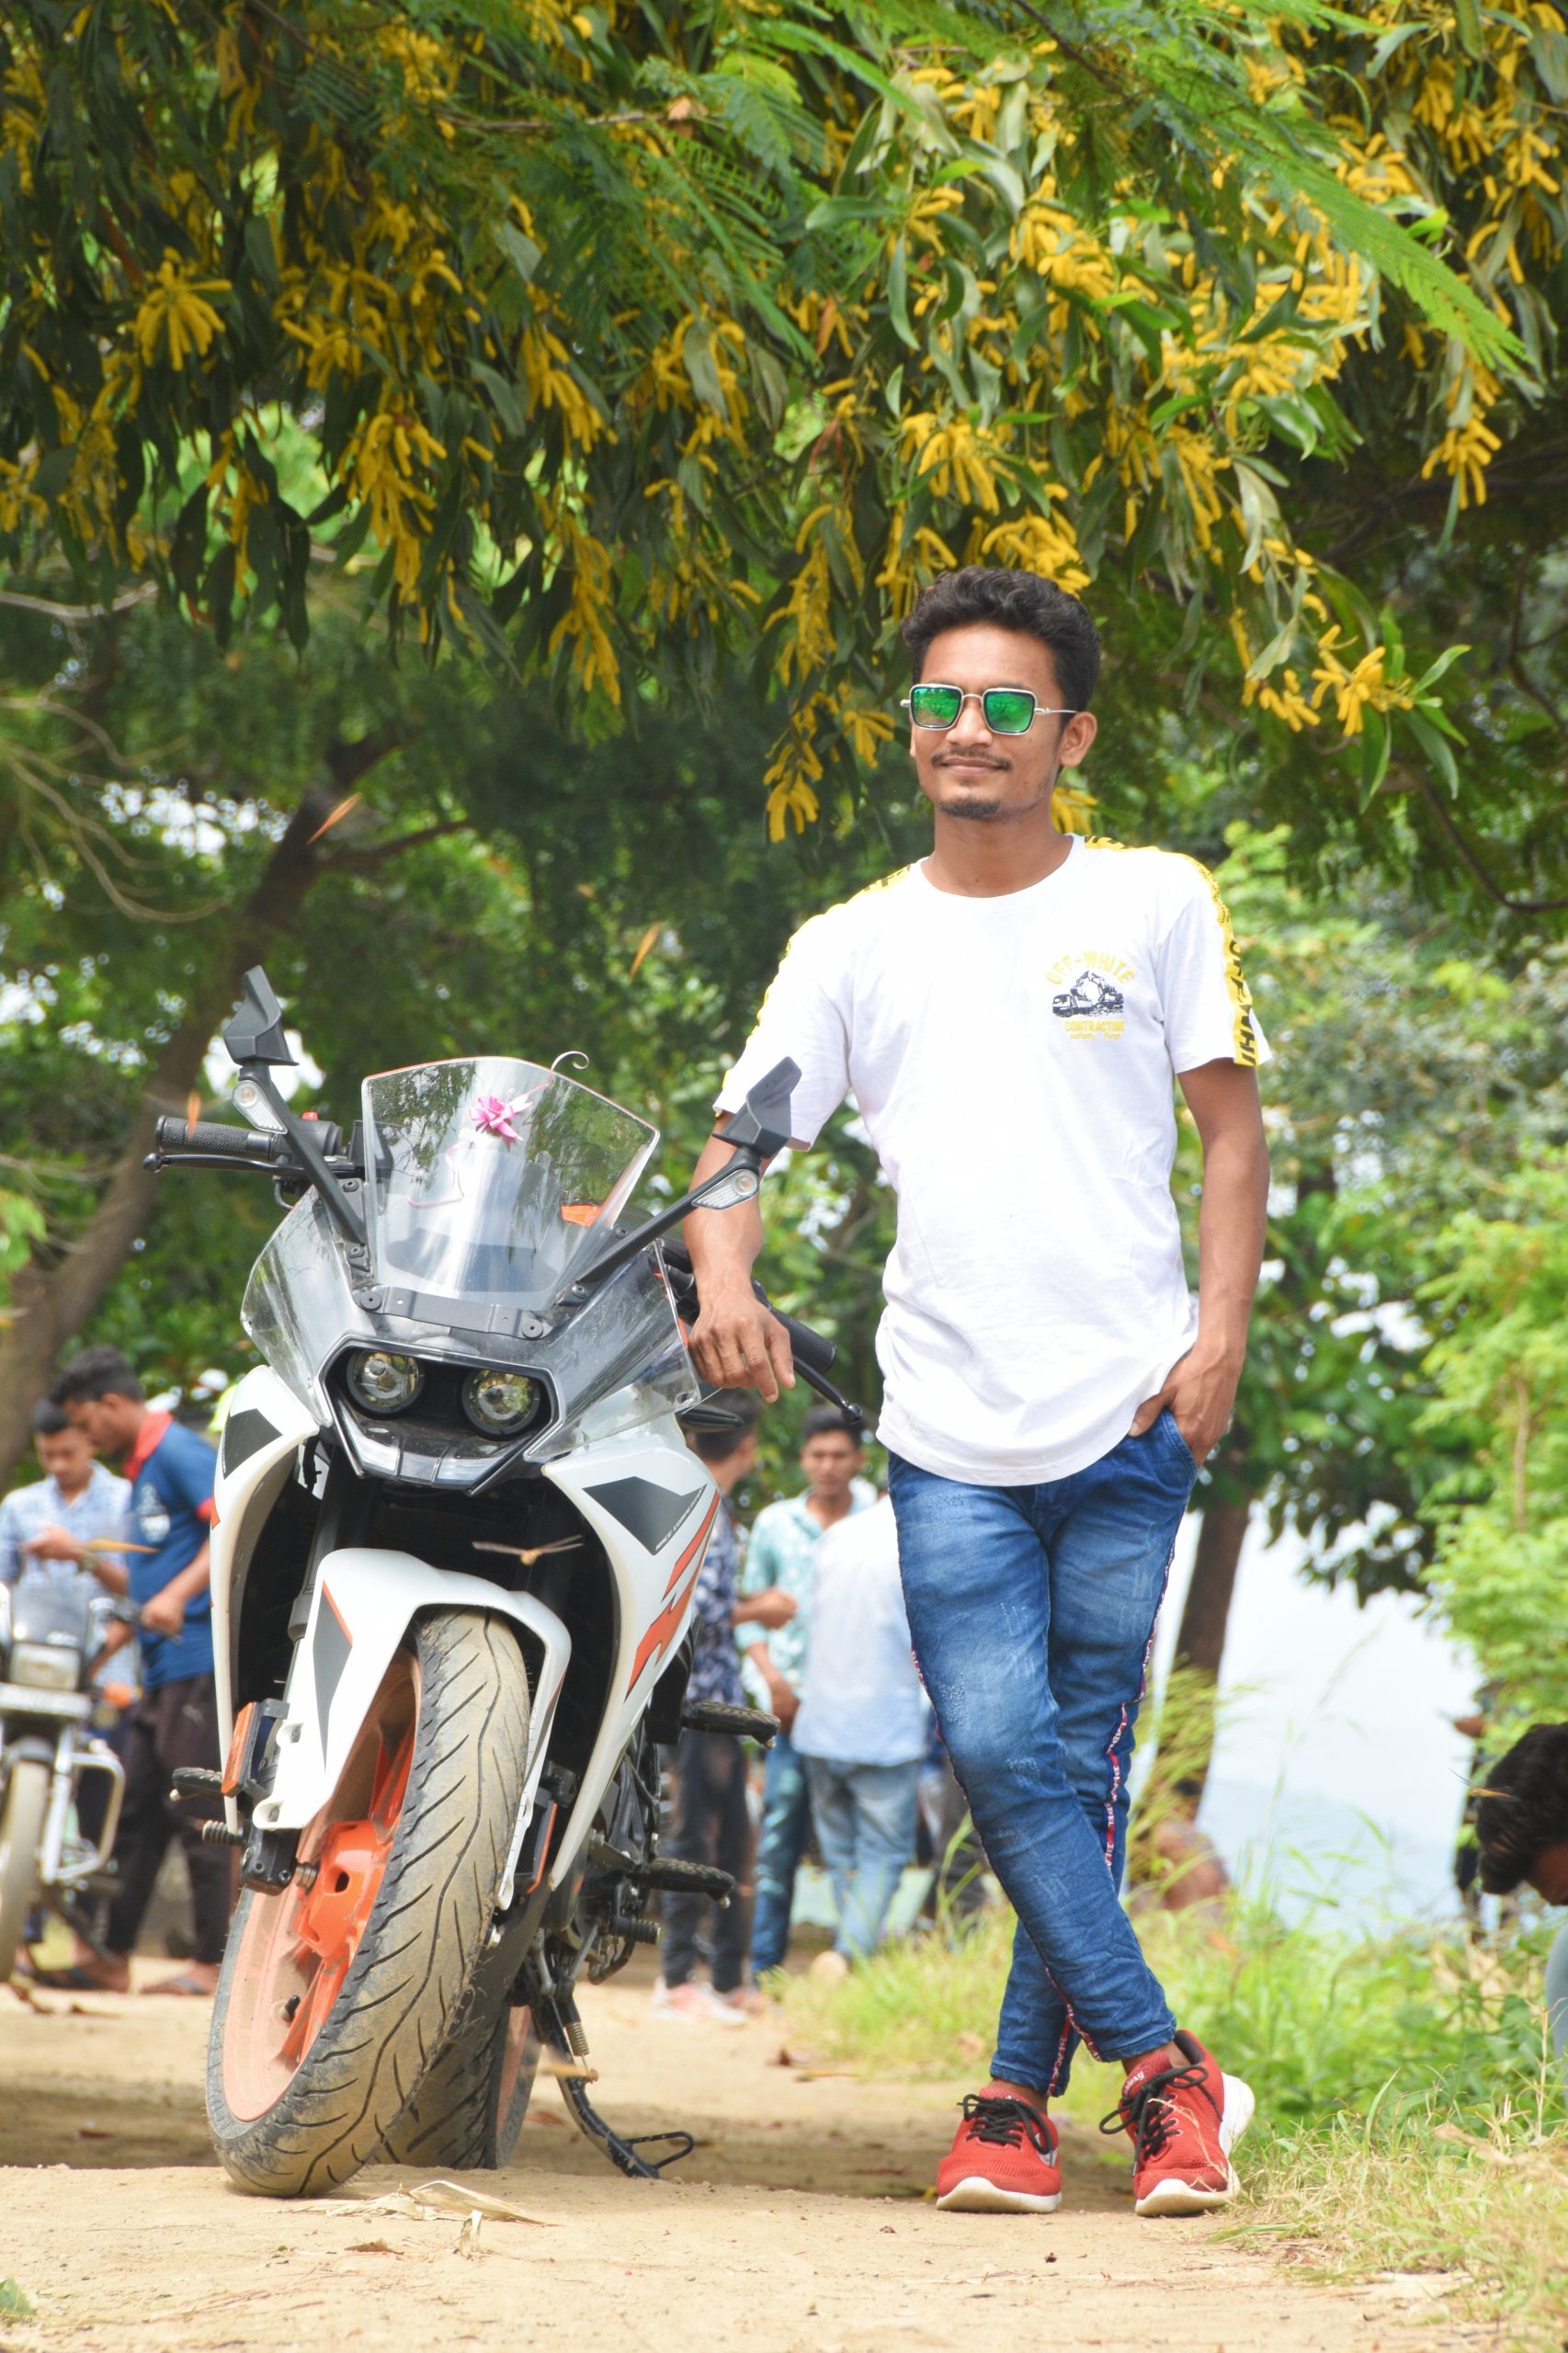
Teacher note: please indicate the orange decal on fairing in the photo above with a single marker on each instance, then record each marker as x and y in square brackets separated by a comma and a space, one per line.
[666, 1626]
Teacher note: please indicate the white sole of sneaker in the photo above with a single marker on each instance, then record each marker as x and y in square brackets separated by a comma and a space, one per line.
[975, 2195]
[1180, 2196]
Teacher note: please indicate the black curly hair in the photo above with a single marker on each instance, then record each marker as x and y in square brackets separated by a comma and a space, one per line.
[1022, 600]
[1522, 1807]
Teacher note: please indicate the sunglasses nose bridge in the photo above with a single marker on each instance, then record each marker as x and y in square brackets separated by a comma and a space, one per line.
[971, 721]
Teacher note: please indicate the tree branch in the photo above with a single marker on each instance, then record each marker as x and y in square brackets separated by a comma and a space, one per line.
[142, 594]
[1472, 864]
[362, 861]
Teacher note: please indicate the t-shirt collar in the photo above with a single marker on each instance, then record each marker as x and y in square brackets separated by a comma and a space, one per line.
[155, 1422]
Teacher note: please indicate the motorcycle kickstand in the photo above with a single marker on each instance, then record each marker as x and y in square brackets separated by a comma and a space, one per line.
[553, 2029]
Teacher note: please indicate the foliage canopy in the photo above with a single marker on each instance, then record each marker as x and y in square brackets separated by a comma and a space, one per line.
[627, 340]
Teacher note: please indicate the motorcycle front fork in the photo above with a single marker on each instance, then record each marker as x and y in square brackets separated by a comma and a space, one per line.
[63, 1885]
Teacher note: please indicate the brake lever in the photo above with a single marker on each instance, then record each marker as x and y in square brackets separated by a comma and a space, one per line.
[829, 1395]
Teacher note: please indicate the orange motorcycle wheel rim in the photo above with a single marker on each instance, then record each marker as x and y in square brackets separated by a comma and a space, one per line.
[298, 1947]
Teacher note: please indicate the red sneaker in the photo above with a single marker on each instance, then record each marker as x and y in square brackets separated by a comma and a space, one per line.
[1184, 2123]
[1002, 2160]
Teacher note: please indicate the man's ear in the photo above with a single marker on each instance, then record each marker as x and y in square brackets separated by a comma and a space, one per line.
[1076, 737]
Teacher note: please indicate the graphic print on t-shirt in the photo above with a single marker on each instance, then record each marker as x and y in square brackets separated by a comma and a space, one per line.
[1093, 1002]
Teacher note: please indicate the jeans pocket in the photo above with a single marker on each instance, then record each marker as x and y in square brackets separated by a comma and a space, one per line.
[1169, 1423]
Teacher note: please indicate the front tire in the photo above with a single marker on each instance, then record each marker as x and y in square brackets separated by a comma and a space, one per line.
[335, 1998]
[21, 1830]
[468, 2109]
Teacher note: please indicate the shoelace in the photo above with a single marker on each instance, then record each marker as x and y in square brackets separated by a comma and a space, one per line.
[1005, 2123]
[1152, 2112]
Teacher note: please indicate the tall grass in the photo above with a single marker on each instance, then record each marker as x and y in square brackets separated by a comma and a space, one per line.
[1409, 2117]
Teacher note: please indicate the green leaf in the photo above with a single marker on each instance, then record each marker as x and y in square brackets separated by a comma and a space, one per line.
[1549, 47]
[1443, 664]
[508, 408]
[524, 255]
[1436, 747]
[1375, 748]
[1467, 24]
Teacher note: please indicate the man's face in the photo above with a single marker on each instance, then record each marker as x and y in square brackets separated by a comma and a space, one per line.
[108, 1424]
[965, 771]
[66, 1455]
[1549, 1873]
[830, 1462]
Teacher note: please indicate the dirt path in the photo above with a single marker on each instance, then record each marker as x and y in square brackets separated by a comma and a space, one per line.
[799, 2225]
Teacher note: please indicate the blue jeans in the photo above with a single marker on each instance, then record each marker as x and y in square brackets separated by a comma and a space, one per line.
[1032, 1610]
[786, 1824]
[864, 1819]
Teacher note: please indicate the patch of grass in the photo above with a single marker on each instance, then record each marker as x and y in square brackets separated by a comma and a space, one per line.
[14, 2303]
[1409, 2116]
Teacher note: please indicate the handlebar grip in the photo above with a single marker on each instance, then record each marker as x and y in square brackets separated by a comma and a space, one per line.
[809, 1347]
[215, 1136]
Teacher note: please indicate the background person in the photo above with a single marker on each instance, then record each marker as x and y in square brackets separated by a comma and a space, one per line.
[1012, 1015]
[1521, 1827]
[46, 1529]
[175, 1721]
[861, 1728]
[711, 1819]
[781, 1553]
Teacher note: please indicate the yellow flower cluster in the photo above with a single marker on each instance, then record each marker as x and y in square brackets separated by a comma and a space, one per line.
[382, 463]
[174, 317]
[959, 456]
[592, 572]
[1359, 688]
[551, 384]
[795, 771]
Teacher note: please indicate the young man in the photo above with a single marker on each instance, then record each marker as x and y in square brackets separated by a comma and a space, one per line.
[52, 1528]
[1008, 1015]
[782, 1552]
[175, 1722]
[1521, 1828]
[862, 1727]
[712, 1824]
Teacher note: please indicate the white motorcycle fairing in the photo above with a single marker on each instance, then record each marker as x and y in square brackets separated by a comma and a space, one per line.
[653, 1505]
[364, 1602]
[644, 1495]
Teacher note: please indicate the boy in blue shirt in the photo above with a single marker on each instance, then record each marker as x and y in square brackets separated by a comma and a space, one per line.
[175, 1722]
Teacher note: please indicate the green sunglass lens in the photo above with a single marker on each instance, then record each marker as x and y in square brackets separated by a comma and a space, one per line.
[934, 706]
[1008, 711]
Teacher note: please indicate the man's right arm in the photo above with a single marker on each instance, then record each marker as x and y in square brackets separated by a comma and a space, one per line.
[735, 1343]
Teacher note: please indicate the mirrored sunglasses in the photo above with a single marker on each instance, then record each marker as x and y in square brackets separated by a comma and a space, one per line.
[1006, 710]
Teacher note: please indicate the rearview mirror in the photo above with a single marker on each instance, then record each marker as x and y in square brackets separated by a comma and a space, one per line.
[255, 1033]
[765, 1121]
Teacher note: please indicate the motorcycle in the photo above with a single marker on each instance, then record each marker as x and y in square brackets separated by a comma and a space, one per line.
[51, 1633]
[458, 1533]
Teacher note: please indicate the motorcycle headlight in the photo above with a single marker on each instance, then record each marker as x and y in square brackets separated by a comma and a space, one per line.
[499, 1404]
[47, 1666]
[381, 1383]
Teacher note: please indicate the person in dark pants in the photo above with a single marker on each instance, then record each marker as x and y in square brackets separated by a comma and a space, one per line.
[174, 1722]
[712, 1824]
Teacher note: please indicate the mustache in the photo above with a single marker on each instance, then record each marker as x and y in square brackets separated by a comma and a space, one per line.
[970, 760]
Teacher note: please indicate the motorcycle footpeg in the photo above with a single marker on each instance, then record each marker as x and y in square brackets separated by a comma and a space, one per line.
[675, 1878]
[744, 1723]
[196, 1781]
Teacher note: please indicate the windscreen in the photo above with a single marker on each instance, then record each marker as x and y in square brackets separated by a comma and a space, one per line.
[492, 1178]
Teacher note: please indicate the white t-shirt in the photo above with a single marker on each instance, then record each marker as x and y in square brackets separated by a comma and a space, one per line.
[1012, 1059]
[861, 1701]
